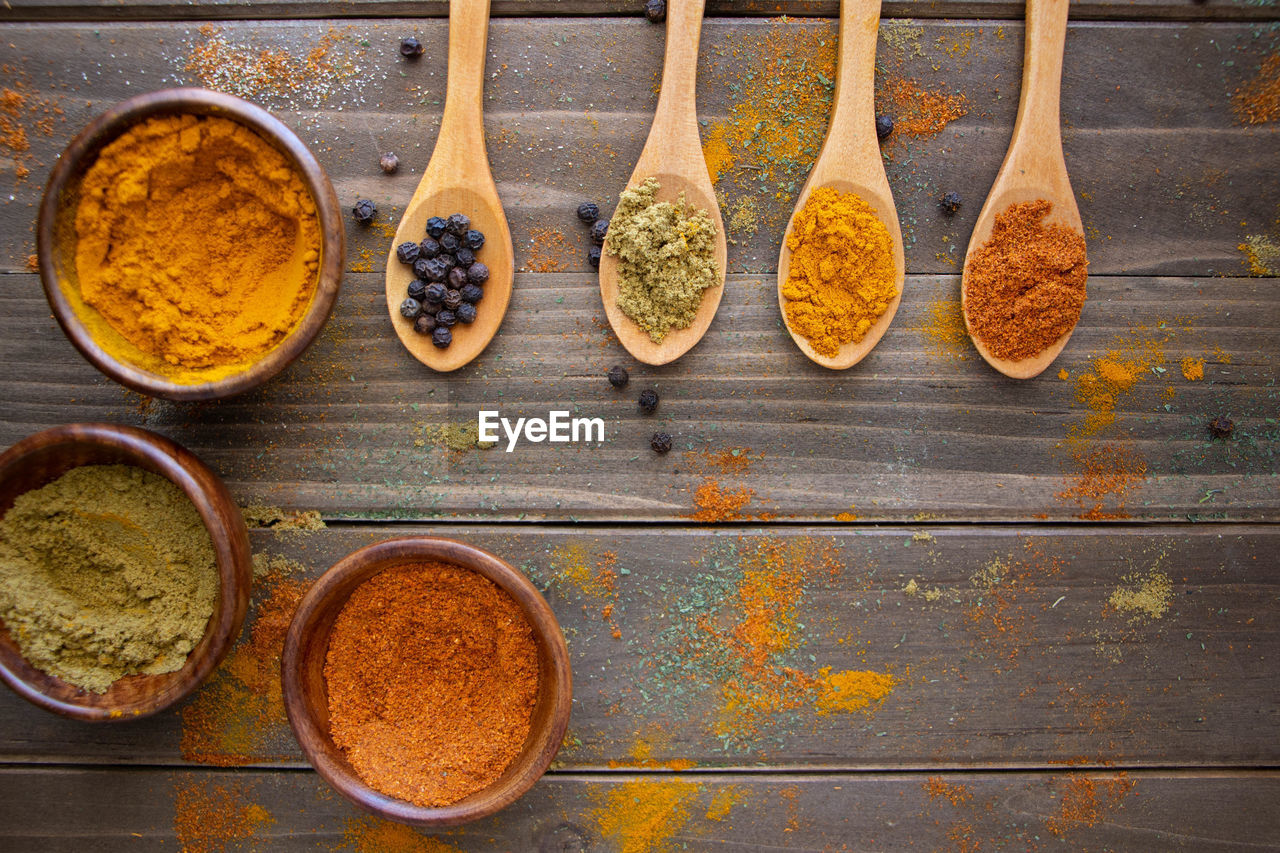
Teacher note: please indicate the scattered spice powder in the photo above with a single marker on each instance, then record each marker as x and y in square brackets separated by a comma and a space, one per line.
[432, 673]
[943, 327]
[645, 815]
[1026, 285]
[938, 788]
[1113, 374]
[257, 73]
[374, 835]
[917, 112]
[238, 716]
[22, 113]
[1143, 597]
[1108, 471]
[209, 818]
[262, 516]
[549, 251]
[851, 690]
[1258, 100]
[594, 575]
[33, 263]
[843, 275]
[1261, 255]
[1087, 800]
[716, 504]
[1193, 369]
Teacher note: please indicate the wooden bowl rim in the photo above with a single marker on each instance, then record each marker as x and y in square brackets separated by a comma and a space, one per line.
[69, 170]
[318, 746]
[227, 531]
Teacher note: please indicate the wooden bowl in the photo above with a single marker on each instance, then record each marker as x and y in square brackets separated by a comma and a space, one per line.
[306, 695]
[56, 237]
[41, 458]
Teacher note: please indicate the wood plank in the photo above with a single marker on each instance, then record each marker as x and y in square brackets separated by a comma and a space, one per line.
[53, 810]
[91, 10]
[1028, 671]
[1167, 185]
[921, 428]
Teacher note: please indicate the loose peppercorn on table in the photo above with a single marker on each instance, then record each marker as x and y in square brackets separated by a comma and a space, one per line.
[909, 605]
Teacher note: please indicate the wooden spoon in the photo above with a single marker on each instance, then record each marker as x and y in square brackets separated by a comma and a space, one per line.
[850, 161]
[673, 155]
[1034, 167]
[458, 180]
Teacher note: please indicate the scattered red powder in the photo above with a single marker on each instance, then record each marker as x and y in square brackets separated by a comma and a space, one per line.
[1087, 800]
[717, 504]
[917, 112]
[549, 251]
[1109, 471]
[210, 818]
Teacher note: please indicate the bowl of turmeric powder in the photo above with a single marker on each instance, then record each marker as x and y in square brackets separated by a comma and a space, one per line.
[190, 245]
[427, 681]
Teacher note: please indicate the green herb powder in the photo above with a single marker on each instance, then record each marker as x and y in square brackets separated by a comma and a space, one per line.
[107, 571]
[666, 259]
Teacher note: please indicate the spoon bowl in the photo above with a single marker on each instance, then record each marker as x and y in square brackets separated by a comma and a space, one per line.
[850, 161]
[458, 180]
[672, 155]
[1034, 167]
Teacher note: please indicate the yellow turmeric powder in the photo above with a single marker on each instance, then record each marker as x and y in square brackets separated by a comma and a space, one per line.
[197, 248]
[842, 274]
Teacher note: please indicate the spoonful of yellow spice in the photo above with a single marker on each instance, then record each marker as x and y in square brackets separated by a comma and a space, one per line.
[841, 268]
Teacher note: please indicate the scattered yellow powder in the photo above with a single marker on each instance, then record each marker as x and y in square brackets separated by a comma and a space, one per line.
[1111, 375]
[1064, 375]
[33, 263]
[852, 690]
[374, 835]
[724, 800]
[943, 326]
[1261, 255]
[273, 517]
[645, 815]
[1258, 100]
[1143, 597]
[1193, 369]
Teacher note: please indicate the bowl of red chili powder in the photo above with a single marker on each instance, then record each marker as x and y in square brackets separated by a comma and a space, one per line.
[427, 681]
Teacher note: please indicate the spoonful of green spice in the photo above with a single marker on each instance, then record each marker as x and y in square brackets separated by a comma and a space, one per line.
[666, 259]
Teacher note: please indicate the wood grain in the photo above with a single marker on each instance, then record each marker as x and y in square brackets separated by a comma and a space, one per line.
[920, 429]
[1067, 680]
[1164, 181]
[43, 810]
[1106, 10]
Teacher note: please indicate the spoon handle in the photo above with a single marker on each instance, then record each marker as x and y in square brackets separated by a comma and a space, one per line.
[462, 126]
[852, 132]
[1039, 119]
[677, 110]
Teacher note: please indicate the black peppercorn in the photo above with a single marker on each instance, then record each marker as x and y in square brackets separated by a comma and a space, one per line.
[471, 293]
[478, 273]
[449, 243]
[599, 229]
[435, 294]
[407, 253]
[655, 11]
[431, 269]
[593, 257]
[446, 318]
[473, 239]
[661, 442]
[410, 308]
[950, 203]
[425, 324]
[432, 308]
[618, 376]
[884, 126]
[364, 211]
[457, 278]
[436, 226]
[410, 48]
[441, 337]
[1221, 427]
[452, 299]
[429, 247]
[458, 224]
[465, 257]
[417, 289]
[389, 162]
[588, 212]
[466, 313]
[448, 260]
[648, 401]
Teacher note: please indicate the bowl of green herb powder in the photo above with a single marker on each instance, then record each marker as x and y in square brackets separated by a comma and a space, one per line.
[124, 571]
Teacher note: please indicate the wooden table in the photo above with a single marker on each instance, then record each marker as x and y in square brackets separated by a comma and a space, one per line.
[996, 548]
